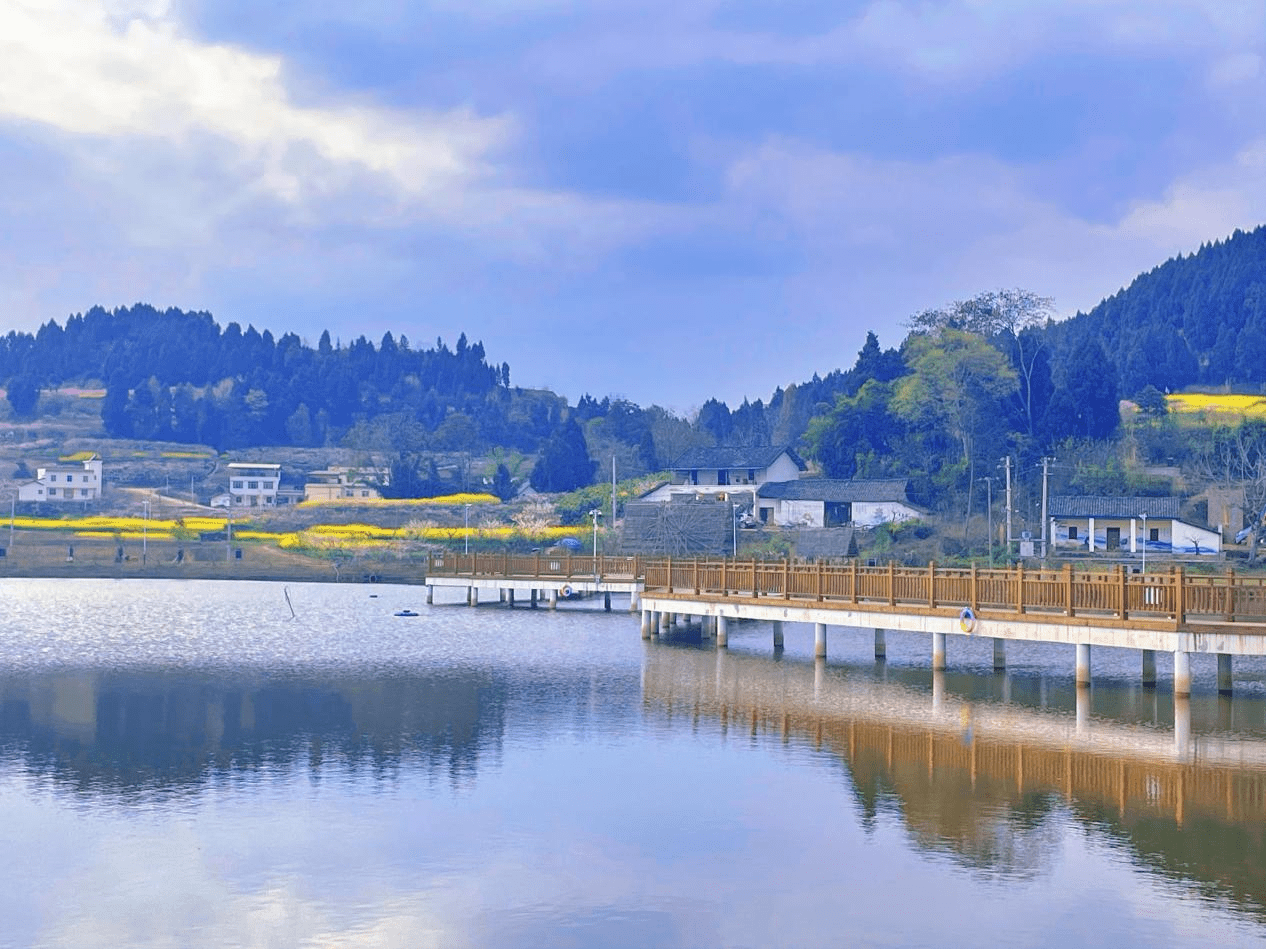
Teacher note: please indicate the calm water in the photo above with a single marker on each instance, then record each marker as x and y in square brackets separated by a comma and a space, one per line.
[186, 764]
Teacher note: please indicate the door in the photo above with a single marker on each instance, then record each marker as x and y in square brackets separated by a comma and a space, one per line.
[1114, 539]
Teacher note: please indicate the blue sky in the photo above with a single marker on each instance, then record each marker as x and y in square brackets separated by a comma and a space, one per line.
[666, 201]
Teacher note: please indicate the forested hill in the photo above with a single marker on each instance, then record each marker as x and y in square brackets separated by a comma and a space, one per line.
[1194, 320]
[178, 376]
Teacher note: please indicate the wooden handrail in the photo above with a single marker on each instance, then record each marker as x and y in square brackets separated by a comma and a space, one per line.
[1173, 596]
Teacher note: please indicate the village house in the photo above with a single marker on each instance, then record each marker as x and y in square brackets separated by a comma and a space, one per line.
[726, 471]
[67, 481]
[337, 484]
[833, 502]
[1128, 525]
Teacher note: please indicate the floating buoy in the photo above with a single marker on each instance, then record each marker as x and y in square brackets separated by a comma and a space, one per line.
[566, 591]
[967, 620]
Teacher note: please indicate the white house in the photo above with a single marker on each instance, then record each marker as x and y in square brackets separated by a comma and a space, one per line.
[253, 485]
[65, 482]
[728, 471]
[1129, 525]
[831, 502]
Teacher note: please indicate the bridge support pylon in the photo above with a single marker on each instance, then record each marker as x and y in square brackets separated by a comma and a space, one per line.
[472, 596]
[723, 632]
[819, 640]
[999, 654]
[881, 644]
[430, 594]
[1224, 673]
[1182, 673]
[777, 634]
[938, 652]
[553, 599]
[647, 619]
[1149, 668]
[1083, 665]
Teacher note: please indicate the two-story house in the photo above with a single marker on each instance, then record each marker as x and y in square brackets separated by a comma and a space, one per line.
[734, 470]
[65, 482]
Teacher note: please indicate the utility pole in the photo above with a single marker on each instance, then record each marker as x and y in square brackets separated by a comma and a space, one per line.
[989, 510]
[1006, 462]
[612, 521]
[1046, 464]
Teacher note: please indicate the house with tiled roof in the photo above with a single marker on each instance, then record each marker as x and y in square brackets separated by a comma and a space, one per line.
[835, 502]
[728, 470]
[1127, 525]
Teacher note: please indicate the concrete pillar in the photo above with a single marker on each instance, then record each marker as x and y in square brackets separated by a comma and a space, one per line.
[510, 598]
[705, 627]
[1182, 673]
[723, 631]
[1224, 673]
[1083, 712]
[819, 640]
[938, 651]
[532, 597]
[472, 596]
[1182, 725]
[665, 621]
[938, 686]
[819, 678]
[606, 601]
[1149, 668]
[430, 594]
[881, 645]
[501, 595]
[1083, 664]
[999, 654]
[553, 599]
[777, 634]
[635, 601]
[647, 619]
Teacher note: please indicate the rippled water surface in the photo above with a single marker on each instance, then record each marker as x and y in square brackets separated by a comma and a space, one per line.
[257, 764]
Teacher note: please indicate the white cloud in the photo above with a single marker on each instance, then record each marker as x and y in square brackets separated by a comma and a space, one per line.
[110, 70]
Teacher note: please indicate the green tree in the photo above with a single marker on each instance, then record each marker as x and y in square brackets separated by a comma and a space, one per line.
[24, 395]
[958, 384]
[564, 464]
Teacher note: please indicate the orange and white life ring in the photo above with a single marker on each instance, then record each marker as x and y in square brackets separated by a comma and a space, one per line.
[566, 591]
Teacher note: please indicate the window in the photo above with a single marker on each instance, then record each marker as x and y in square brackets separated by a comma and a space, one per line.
[85, 479]
[1072, 532]
[268, 485]
[52, 477]
[252, 484]
[84, 492]
[1153, 533]
[238, 485]
[52, 492]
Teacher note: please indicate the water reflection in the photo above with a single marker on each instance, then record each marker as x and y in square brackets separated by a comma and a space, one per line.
[981, 780]
[141, 732]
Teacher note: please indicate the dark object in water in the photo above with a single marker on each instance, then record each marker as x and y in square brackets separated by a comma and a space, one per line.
[407, 613]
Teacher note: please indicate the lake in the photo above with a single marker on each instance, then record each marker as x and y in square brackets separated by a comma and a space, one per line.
[219, 764]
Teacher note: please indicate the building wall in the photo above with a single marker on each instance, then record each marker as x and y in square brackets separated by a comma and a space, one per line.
[874, 513]
[1172, 536]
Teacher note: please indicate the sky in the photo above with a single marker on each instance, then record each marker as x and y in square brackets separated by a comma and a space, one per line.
[661, 200]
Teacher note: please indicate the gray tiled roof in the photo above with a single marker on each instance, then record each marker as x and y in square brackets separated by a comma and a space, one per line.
[734, 456]
[1070, 506]
[834, 490]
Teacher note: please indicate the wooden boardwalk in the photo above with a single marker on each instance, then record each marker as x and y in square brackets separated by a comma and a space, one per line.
[1169, 610]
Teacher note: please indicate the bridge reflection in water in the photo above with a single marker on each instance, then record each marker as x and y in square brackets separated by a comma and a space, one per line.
[977, 779]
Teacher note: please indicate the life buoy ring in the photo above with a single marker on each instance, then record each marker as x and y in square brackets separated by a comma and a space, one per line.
[566, 591]
[967, 620]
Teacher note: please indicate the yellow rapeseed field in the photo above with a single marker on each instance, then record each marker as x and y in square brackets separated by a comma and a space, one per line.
[1217, 404]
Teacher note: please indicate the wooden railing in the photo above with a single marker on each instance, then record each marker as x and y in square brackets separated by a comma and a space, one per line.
[1170, 597]
[537, 566]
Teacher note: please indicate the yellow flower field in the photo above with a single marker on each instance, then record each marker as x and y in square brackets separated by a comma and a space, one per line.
[1217, 404]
